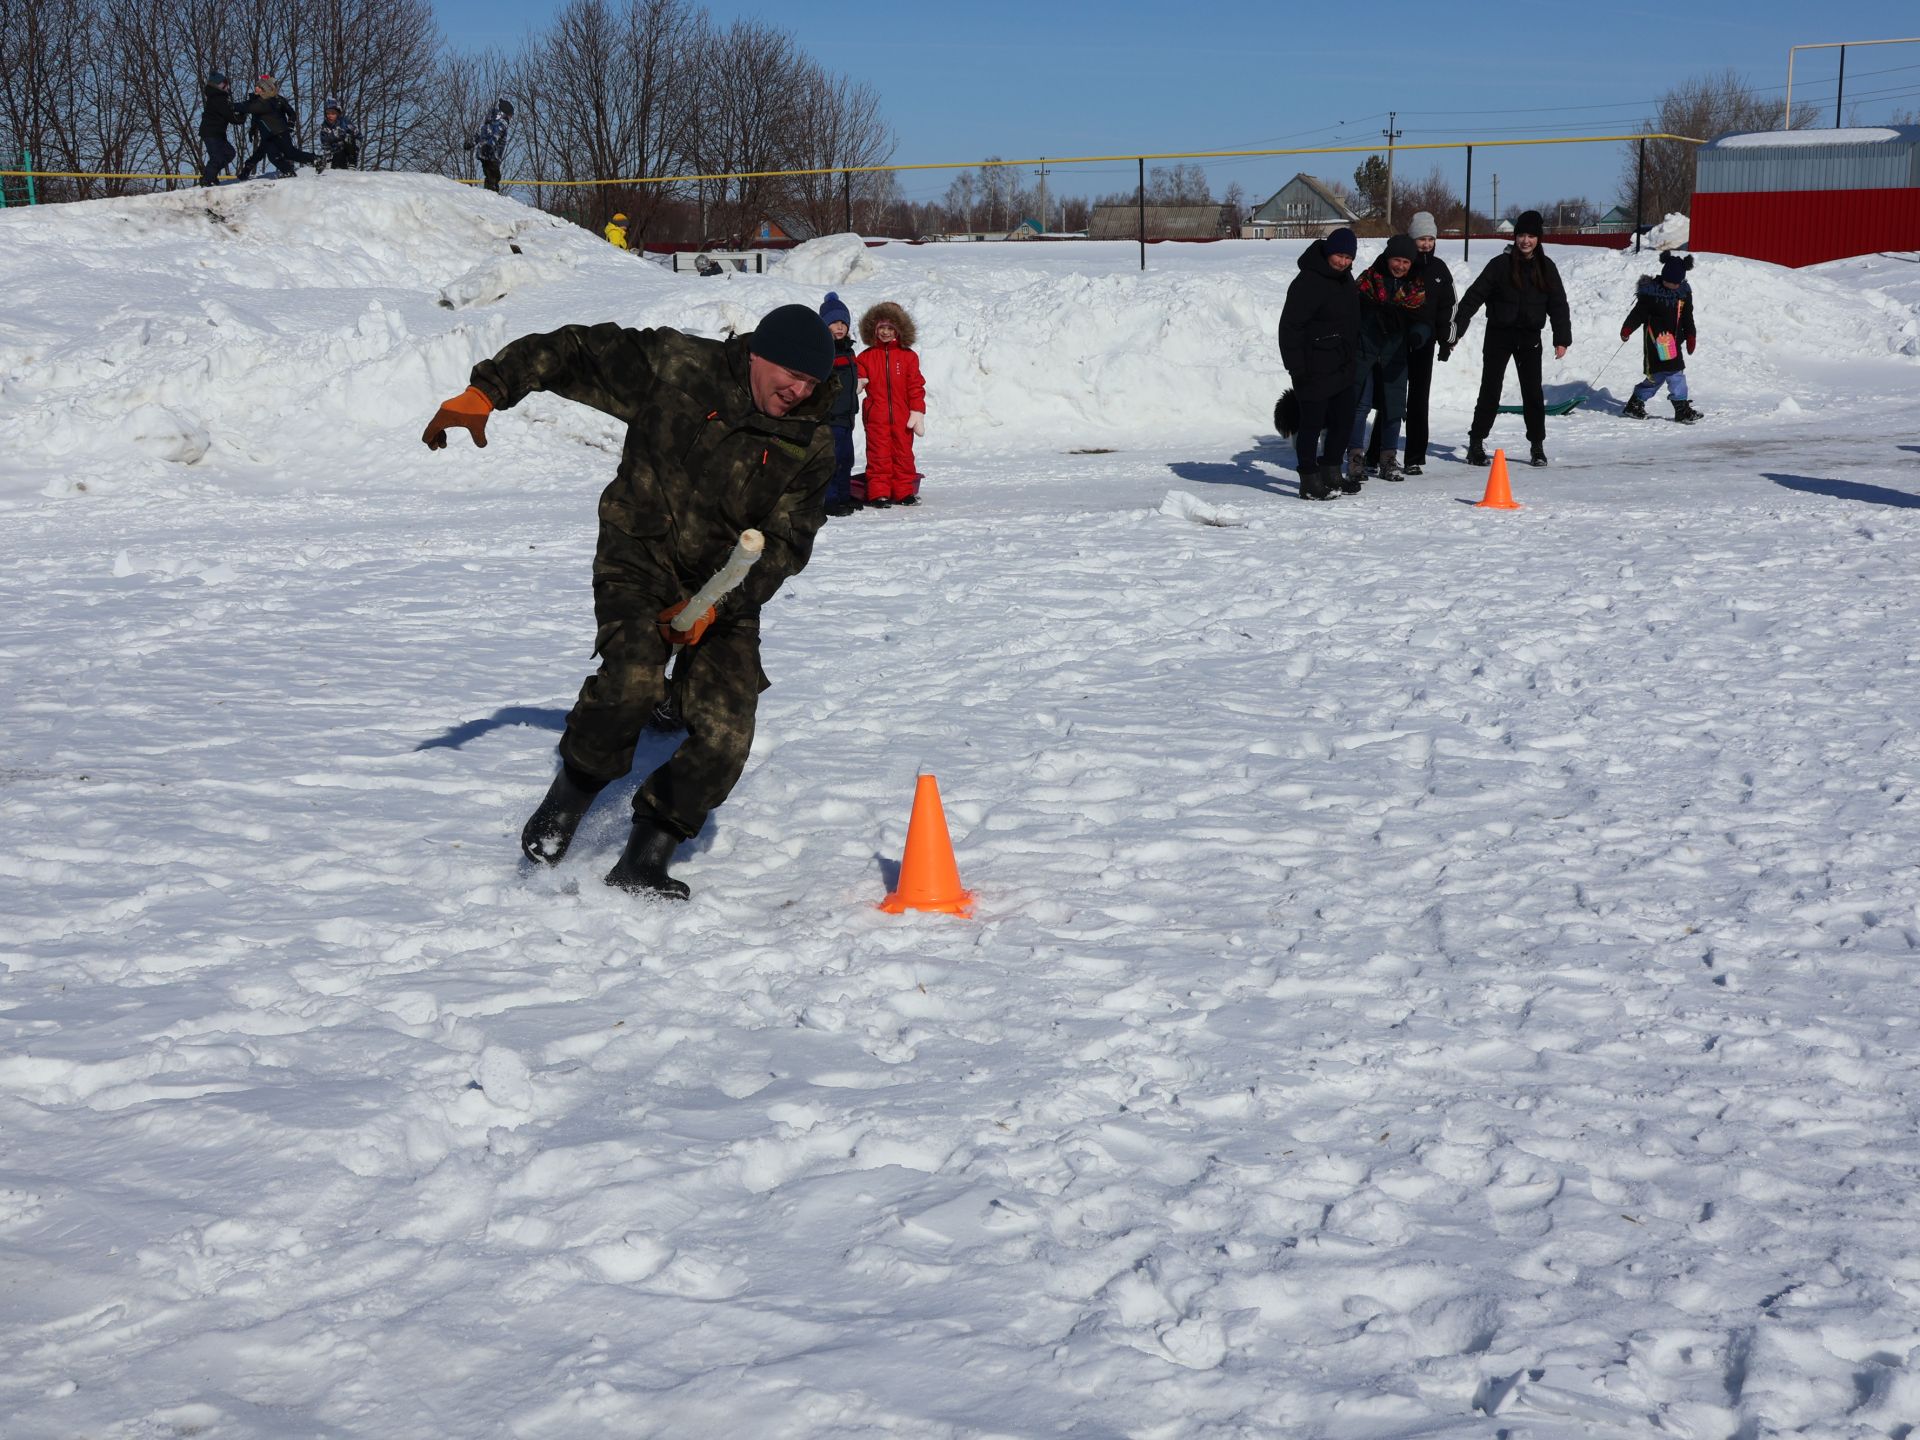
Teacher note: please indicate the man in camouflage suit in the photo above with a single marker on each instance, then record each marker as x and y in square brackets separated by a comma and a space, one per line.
[722, 437]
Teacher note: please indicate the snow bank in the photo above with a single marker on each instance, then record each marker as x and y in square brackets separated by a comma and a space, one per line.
[148, 335]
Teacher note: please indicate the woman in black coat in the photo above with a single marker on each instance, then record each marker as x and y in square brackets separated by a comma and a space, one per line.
[1320, 346]
[1522, 292]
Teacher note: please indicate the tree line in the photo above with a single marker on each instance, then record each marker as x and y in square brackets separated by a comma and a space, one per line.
[610, 88]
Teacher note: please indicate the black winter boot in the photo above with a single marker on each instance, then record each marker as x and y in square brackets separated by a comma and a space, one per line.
[547, 834]
[1684, 412]
[1476, 452]
[1312, 487]
[642, 866]
[1355, 475]
[1537, 456]
[1634, 409]
[1329, 482]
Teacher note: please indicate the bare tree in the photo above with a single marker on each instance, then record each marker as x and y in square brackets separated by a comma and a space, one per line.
[1432, 194]
[1185, 184]
[1702, 108]
[962, 194]
[837, 126]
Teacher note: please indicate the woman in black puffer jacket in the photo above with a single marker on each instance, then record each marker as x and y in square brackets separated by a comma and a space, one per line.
[1522, 292]
[1320, 346]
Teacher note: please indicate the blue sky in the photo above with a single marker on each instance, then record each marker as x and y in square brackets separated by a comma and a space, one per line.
[989, 77]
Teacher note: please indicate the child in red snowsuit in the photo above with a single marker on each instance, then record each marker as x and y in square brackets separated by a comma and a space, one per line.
[895, 405]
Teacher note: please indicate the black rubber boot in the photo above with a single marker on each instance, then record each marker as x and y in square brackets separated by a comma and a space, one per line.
[1312, 485]
[1634, 409]
[1329, 482]
[1537, 456]
[642, 866]
[1476, 452]
[547, 834]
[1684, 412]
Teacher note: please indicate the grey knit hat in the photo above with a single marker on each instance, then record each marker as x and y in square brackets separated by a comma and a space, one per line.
[1421, 227]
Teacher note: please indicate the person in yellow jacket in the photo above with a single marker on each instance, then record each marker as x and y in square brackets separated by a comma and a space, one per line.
[617, 231]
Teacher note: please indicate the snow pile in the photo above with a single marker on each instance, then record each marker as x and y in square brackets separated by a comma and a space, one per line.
[829, 262]
[244, 320]
[1672, 233]
[357, 302]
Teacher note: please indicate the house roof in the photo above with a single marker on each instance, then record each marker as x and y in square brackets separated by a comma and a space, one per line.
[1319, 189]
[1164, 222]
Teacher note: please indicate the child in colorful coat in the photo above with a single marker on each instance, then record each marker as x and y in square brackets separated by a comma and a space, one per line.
[846, 404]
[896, 405]
[1663, 311]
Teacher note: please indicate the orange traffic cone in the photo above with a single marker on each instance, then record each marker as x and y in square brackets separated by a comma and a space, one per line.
[929, 876]
[1499, 494]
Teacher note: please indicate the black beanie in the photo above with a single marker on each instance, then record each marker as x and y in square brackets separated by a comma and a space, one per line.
[797, 338]
[1530, 224]
[1401, 247]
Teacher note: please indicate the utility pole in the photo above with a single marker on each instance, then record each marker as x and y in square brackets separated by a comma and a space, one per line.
[1392, 135]
[1496, 200]
[1042, 173]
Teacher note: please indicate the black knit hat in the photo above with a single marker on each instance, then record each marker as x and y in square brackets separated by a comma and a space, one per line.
[1530, 223]
[795, 337]
[1342, 242]
[1401, 247]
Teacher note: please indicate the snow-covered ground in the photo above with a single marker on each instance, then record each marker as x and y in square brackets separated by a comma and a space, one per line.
[1436, 971]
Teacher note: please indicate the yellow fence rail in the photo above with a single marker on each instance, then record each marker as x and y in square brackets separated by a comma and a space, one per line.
[947, 164]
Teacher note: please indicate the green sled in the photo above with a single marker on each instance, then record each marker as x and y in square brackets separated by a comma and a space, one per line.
[1562, 407]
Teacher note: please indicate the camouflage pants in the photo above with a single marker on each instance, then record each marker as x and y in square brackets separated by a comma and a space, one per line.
[718, 683]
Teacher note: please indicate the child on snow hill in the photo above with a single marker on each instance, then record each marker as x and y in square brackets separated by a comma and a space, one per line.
[339, 141]
[896, 405]
[846, 403]
[1663, 311]
[489, 142]
[273, 126]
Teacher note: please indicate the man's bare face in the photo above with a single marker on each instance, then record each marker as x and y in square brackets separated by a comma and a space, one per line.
[776, 389]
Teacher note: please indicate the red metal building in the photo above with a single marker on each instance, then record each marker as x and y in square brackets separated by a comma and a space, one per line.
[1798, 197]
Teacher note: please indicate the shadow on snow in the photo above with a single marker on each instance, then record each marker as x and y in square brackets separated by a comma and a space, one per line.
[1848, 490]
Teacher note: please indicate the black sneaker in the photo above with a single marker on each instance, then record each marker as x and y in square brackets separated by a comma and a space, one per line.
[1476, 452]
[1538, 457]
[1413, 470]
[908, 500]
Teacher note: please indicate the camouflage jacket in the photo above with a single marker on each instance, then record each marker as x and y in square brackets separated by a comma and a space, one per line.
[700, 463]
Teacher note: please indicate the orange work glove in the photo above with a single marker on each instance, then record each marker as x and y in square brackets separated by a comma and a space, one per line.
[468, 410]
[690, 636]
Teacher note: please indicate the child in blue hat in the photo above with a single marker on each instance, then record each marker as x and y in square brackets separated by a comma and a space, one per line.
[846, 404]
[1663, 311]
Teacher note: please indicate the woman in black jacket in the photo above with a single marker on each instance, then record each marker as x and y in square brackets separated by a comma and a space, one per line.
[1522, 292]
[217, 116]
[1320, 346]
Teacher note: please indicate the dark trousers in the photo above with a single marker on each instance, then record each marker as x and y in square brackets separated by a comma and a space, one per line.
[1324, 423]
[490, 167]
[1419, 387]
[840, 486]
[345, 157]
[717, 683]
[279, 151]
[1523, 348]
[219, 156]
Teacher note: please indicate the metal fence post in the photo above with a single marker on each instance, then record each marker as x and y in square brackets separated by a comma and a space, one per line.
[1142, 197]
[1640, 196]
[26, 158]
[1466, 219]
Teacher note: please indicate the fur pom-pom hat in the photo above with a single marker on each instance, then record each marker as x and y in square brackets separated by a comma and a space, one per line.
[887, 310]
